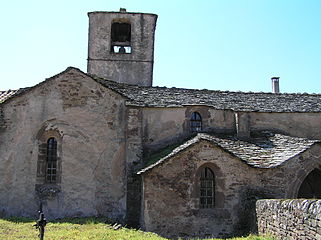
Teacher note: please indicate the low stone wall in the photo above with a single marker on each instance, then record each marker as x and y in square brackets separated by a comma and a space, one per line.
[290, 218]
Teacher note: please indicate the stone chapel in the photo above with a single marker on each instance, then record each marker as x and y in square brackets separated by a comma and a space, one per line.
[178, 162]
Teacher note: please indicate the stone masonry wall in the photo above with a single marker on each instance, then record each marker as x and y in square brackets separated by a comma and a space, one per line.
[171, 194]
[290, 219]
[166, 126]
[294, 124]
[89, 122]
[134, 68]
[2, 120]
[133, 164]
[171, 191]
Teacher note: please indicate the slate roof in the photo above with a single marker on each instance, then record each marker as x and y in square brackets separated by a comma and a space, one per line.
[4, 95]
[223, 100]
[265, 151]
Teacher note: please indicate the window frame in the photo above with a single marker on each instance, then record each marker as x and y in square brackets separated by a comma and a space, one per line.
[207, 188]
[51, 160]
[43, 137]
[196, 122]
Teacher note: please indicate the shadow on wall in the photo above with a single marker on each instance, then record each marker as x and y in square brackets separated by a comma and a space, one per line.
[247, 220]
[310, 187]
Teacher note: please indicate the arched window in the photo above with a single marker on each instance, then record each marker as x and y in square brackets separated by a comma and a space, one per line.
[51, 161]
[207, 188]
[121, 37]
[196, 122]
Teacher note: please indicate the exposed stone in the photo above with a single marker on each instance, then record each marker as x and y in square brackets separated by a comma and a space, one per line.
[283, 218]
[76, 141]
[92, 174]
[171, 192]
[134, 67]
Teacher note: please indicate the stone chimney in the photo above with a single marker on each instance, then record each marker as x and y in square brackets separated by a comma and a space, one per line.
[275, 85]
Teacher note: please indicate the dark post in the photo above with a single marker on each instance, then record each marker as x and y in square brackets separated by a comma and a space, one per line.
[41, 223]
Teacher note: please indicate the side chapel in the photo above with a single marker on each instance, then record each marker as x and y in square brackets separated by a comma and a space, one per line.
[178, 162]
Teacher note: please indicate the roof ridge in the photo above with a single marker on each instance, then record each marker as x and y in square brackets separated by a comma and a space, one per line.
[155, 96]
[25, 89]
[196, 89]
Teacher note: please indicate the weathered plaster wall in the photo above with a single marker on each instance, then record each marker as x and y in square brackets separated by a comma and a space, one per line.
[295, 124]
[171, 197]
[290, 219]
[242, 124]
[134, 158]
[134, 68]
[91, 122]
[164, 126]
[213, 120]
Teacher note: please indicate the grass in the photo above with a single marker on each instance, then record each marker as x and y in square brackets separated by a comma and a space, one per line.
[78, 229]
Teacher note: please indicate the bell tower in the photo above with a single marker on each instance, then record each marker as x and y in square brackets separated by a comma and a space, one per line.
[121, 46]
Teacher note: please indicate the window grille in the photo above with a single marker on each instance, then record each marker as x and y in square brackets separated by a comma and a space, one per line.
[196, 122]
[207, 188]
[51, 168]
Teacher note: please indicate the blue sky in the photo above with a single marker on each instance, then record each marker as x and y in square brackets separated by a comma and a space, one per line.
[235, 45]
